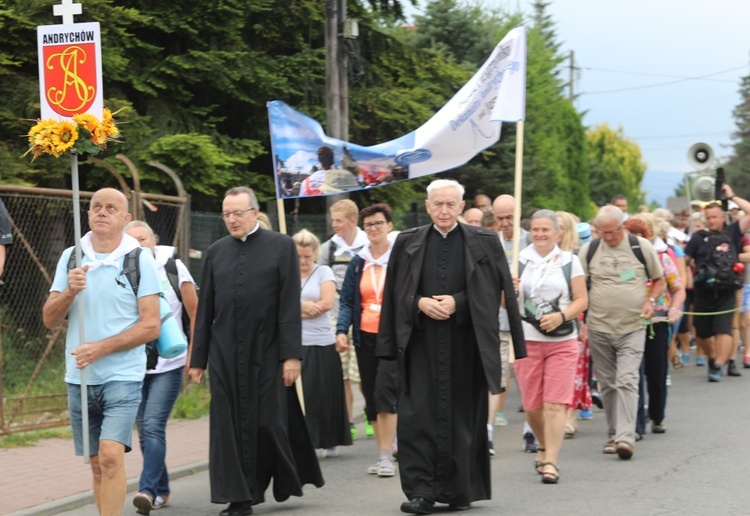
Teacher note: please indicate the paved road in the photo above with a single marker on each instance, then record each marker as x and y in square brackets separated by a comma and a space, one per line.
[700, 466]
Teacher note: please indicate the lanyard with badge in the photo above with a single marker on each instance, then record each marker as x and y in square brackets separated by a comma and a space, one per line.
[531, 303]
[377, 286]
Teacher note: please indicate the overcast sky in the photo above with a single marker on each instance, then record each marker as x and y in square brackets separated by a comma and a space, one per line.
[641, 45]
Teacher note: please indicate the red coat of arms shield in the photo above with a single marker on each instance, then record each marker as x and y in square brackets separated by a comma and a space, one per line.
[70, 77]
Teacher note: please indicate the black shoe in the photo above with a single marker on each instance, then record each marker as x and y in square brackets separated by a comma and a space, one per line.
[238, 509]
[732, 369]
[458, 507]
[596, 398]
[417, 505]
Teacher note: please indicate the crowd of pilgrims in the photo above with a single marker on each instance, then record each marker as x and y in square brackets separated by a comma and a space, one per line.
[343, 282]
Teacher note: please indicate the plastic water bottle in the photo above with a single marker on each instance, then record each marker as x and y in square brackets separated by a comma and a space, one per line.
[171, 342]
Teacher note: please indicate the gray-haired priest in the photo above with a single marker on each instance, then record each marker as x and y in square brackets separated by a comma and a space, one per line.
[439, 319]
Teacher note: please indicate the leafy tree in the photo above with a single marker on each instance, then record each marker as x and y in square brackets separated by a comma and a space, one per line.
[616, 166]
[738, 165]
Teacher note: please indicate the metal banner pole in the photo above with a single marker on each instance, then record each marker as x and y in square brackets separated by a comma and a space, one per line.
[79, 299]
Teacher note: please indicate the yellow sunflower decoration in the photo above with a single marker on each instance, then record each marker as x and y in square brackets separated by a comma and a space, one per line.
[86, 134]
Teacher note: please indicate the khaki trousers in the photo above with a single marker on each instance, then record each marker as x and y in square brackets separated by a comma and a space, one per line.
[617, 363]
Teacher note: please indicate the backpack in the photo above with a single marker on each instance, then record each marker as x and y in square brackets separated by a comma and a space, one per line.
[716, 273]
[635, 246]
[174, 282]
[131, 269]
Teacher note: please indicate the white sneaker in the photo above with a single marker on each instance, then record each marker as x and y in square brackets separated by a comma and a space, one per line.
[331, 452]
[386, 468]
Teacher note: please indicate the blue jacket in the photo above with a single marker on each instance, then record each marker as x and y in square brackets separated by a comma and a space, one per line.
[350, 306]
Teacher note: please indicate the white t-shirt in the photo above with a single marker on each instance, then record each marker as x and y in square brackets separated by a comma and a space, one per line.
[544, 285]
[317, 331]
[183, 276]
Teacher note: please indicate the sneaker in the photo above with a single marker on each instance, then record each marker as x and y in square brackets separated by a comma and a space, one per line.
[686, 359]
[529, 443]
[715, 373]
[700, 361]
[353, 430]
[658, 428]
[500, 420]
[596, 399]
[732, 369]
[638, 436]
[386, 467]
[369, 430]
[143, 503]
[669, 381]
[586, 414]
[372, 469]
[746, 361]
[330, 453]
[491, 448]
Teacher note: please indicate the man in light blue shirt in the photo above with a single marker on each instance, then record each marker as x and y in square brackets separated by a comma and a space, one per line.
[117, 324]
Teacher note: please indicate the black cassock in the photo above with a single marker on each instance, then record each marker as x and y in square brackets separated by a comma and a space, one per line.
[248, 323]
[442, 413]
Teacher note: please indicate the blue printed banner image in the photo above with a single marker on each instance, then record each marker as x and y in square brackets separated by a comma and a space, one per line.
[308, 163]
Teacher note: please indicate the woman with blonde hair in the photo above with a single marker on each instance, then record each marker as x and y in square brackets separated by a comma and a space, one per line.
[322, 377]
[568, 240]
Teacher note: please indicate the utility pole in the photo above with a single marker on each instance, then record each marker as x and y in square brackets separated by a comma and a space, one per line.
[337, 86]
[571, 95]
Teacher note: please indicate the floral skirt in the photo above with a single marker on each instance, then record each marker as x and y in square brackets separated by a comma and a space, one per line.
[582, 392]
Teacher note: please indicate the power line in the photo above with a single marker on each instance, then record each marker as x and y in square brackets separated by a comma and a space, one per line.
[658, 75]
[678, 136]
[663, 83]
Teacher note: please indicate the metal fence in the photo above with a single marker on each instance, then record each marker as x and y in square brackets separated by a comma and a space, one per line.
[32, 362]
[32, 365]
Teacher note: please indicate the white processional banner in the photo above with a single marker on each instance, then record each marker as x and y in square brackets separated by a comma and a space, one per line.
[309, 163]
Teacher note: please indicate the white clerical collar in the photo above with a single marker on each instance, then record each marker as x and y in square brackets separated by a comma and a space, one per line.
[244, 238]
[445, 235]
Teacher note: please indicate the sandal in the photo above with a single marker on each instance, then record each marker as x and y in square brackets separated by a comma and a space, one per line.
[610, 448]
[570, 430]
[549, 477]
[676, 362]
[538, 464]
[143, 503]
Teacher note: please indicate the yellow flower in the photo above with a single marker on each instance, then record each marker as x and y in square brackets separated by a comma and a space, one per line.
[99, 136]
[109, 123]
[87, 121]
[63, 138]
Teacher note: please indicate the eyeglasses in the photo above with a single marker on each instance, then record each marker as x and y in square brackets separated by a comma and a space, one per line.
[371, 225]
[236, 214]
[608, 233]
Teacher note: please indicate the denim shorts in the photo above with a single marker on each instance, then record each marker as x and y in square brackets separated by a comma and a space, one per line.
[113, 407]
[745, 306]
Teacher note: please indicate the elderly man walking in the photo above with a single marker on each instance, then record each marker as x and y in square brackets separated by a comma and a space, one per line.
[120, 317]
[439, 319]
[618, 266]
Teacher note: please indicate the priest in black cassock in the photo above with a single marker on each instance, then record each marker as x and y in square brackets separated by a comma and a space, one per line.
[248, 331]
[439, 319]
